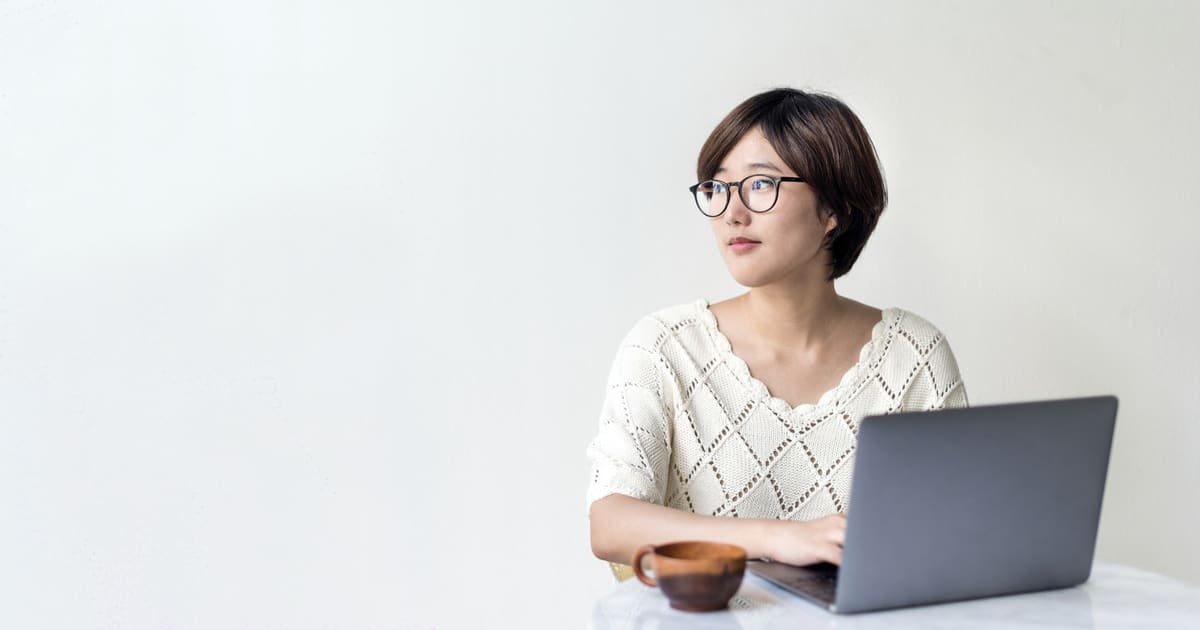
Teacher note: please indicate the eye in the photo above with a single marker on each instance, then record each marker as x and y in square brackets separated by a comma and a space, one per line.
[712, 187]
[760, 183]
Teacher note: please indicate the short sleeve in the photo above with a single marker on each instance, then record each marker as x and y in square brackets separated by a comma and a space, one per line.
[948, 390]
[631, 451]
[920, 357]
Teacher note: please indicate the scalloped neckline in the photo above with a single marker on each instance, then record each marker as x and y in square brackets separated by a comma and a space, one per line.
[855, 374]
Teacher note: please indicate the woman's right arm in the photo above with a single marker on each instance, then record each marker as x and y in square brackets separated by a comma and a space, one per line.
[620, 524]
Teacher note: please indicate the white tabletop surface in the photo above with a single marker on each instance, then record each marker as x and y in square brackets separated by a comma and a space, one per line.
[1116, 596]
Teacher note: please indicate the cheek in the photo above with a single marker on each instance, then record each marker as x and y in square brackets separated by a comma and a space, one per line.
[797, 239]
[806, 225]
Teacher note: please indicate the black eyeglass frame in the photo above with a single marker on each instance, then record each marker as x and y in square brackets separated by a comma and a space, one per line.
[778, 179]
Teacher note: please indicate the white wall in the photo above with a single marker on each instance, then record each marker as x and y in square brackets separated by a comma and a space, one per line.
[306, 309]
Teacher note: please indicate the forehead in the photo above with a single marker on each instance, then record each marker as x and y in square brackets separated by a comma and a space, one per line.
[752, 152]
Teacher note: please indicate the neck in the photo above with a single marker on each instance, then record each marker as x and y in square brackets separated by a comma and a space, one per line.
[800, 316]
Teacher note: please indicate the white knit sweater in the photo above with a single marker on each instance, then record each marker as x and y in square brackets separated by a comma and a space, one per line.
[684, 424]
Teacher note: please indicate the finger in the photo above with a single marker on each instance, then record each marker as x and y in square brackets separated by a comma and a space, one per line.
[838, 537]
[835, 556]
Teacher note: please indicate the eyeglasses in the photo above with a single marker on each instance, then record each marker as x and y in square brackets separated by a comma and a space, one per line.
[757, 192]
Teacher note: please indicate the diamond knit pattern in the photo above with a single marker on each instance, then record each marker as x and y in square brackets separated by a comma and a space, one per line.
[684, 423]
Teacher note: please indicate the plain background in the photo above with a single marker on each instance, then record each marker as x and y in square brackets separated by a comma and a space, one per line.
[306, 308]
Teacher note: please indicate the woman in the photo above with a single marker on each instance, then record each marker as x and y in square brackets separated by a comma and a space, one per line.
[736, 421]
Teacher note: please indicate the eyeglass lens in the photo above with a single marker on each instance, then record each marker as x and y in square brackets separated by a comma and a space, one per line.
[757, 192]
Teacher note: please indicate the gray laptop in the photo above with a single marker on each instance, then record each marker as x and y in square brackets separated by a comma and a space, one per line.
[966, 503]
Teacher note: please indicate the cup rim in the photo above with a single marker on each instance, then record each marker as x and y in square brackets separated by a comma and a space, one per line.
[725, 551]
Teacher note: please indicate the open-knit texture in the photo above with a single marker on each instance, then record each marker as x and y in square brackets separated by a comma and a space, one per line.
[684, 423]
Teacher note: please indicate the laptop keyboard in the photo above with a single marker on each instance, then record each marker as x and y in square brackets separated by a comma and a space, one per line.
[818, 581]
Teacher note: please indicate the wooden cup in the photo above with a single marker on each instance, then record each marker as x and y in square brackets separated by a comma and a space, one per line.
[695, 576]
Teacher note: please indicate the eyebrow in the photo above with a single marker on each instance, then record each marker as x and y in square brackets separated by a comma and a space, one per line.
[766, 165]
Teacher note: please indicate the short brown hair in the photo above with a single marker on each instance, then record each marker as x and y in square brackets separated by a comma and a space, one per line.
[827, 146]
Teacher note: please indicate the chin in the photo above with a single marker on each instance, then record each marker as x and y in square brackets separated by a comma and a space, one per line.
[763, 272]
[752, 278]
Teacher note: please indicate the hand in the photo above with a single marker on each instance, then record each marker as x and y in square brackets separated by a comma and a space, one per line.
[807, 542]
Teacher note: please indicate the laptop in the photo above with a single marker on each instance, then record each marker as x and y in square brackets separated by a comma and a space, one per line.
[966, 503]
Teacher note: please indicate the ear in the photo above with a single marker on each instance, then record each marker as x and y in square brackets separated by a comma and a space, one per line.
[830, 224]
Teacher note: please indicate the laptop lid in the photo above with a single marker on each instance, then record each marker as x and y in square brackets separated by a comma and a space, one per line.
[965, 503]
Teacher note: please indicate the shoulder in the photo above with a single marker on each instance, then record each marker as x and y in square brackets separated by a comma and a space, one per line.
[671, 340]
[652, 348]
[654, 328]
[913, 325]
[917, 334]
[919, 348]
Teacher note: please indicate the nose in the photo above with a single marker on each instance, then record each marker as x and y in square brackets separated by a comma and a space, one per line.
[737, 212]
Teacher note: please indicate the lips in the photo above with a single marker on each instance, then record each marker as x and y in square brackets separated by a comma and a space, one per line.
[742, 245]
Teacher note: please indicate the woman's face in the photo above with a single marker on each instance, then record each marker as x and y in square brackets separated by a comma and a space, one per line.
[789, 235]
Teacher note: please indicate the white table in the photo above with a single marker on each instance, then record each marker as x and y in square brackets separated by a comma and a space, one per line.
[1116, 596]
